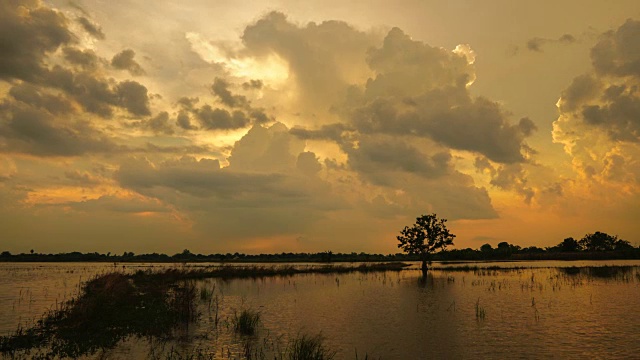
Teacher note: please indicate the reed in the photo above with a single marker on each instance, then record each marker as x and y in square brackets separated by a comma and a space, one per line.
[246, 323]
[307, 347]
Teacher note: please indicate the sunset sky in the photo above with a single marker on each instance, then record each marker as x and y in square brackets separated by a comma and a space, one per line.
[224, 126]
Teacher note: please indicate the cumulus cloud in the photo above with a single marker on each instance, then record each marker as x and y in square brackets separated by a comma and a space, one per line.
[283, 199]
[124, 60]
[324, 58]
[28, 32]
[221, 119]
[221, 89]
[90, 27]
[617, 52]
[599, 121]
[133, 96]
[85, 59]
[36, 131]
[183, 120]
[160, 123]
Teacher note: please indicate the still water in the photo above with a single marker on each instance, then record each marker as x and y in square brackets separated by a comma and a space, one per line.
[488, 310]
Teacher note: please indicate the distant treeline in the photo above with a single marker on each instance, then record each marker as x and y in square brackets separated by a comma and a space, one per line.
[597, 246]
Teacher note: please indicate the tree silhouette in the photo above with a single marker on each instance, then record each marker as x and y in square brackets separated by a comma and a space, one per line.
[428, 235]
[599, 241]
[569, 244]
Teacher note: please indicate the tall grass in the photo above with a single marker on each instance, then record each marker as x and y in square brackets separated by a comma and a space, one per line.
[307, 347]
[247, 322]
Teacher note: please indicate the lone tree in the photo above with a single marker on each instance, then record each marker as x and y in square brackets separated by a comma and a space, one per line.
[428, 235]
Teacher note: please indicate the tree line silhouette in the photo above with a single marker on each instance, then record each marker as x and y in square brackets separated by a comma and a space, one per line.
[596, 245]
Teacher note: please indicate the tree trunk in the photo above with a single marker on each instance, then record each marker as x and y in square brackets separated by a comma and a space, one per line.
[424, 266]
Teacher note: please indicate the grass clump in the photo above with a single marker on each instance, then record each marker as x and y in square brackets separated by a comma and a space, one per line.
[307, 347]
[110, 308]
[247, 322]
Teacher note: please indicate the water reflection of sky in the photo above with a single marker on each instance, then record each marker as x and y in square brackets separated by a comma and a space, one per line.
[532, 310]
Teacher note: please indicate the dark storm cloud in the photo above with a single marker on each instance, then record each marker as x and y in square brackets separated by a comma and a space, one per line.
[160, 123]
[477, 125]
[86, 59]
[527, 126]
[35, 97]
[608, 98]
[419, 90]
[28, 32]
[619, 117]
[617, 53]
[259, 116]
[188, 103]
[98, 95]
[183, 120]
[133, 97]
[374, 158]
[221, 119]
[93, 29]
[94, 94]
[124, 60]
[220, 88]
[35, 131]
[199, 178]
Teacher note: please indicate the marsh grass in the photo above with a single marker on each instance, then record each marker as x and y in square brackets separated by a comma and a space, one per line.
[305, 347]
[246, 323]
[109, 308]
[480, 312]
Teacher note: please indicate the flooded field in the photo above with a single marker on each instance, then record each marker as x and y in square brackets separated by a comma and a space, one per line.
[471, 310]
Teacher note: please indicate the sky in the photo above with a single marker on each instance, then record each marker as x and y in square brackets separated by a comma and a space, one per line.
[287, 126]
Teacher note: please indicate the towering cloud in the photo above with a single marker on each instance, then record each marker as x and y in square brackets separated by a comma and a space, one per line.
[599, 122]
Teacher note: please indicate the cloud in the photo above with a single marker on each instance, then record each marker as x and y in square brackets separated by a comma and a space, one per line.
[536, 44]
[28, 32]
[36, 131]
[124, 61]
[98, 95]
[133, 96]
[160, 123]
[617, 52]
[323, 59]
[31, 95]
[599, 121]
[183, 120]
[221, 119]
[282, 199]
[378, 160]
[85, 59]
[221, 89]
[90, 27]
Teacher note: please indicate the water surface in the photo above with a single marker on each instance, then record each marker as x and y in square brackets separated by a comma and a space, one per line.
[546, 309]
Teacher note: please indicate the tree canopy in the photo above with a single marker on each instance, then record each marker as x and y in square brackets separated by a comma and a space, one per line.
[428, 235]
